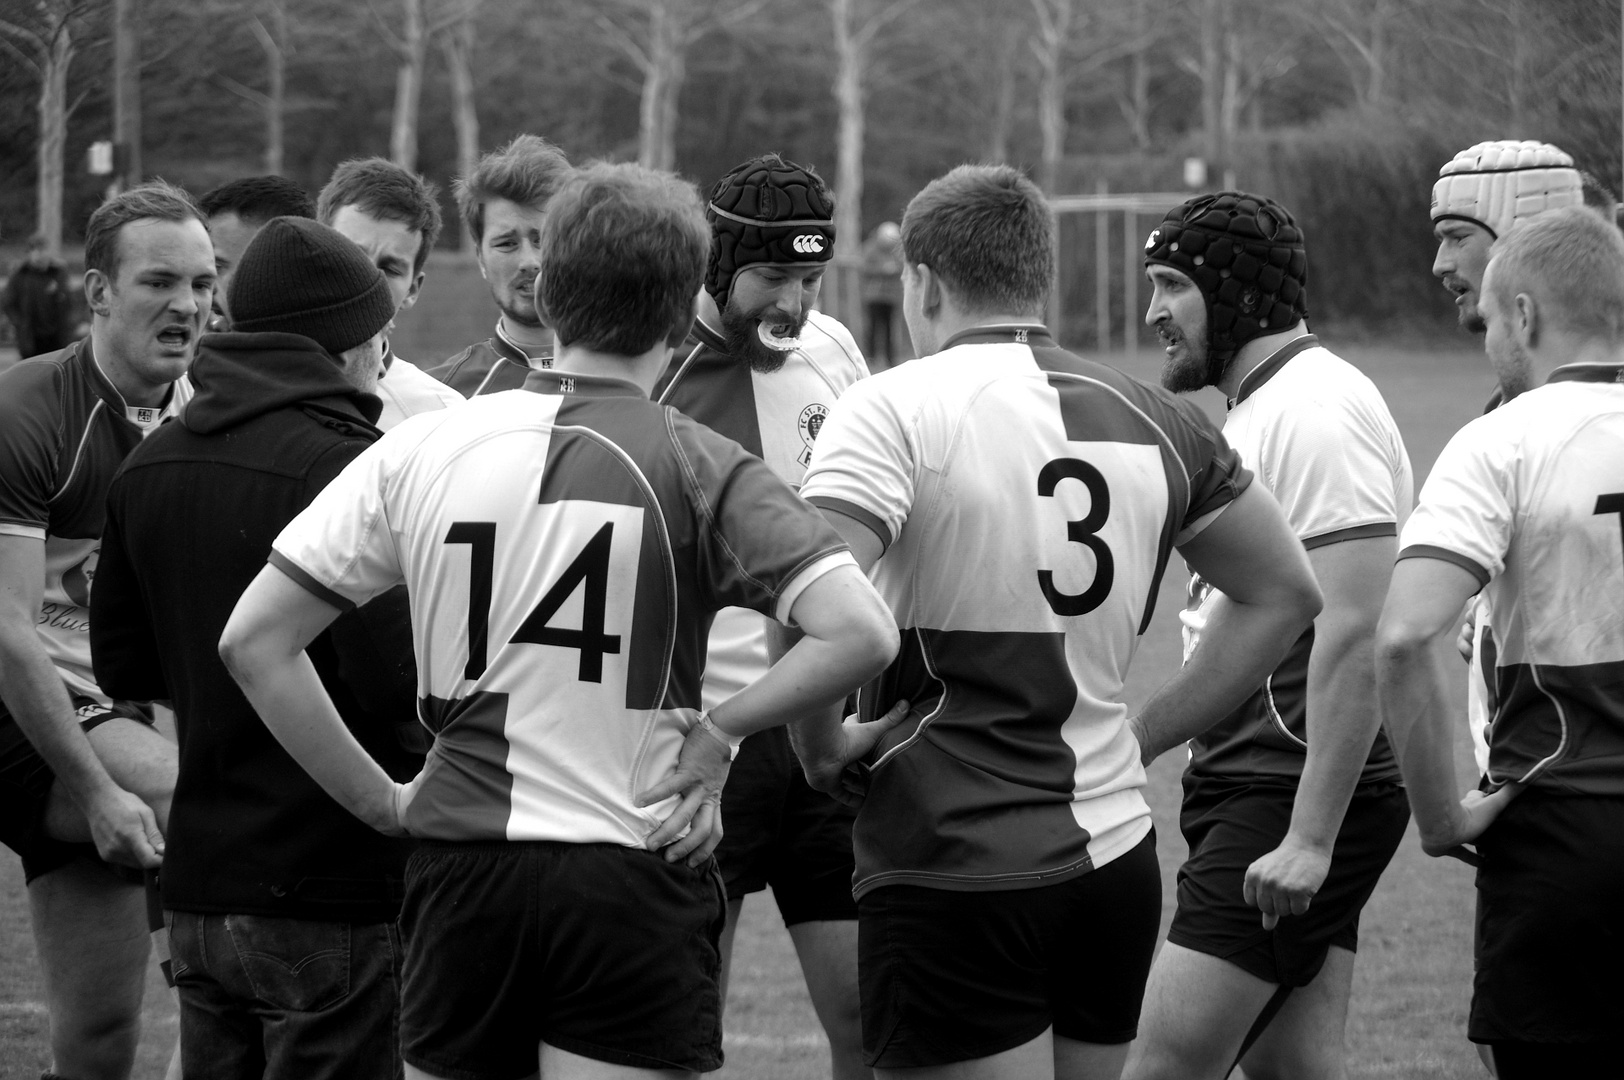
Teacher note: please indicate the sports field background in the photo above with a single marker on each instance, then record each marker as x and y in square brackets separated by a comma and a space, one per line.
[1414, 974]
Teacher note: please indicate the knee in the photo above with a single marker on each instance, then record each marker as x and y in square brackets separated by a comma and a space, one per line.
[95, 1043]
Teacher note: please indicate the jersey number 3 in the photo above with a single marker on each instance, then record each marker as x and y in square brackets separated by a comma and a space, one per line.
[1084, 532]
[590, 568]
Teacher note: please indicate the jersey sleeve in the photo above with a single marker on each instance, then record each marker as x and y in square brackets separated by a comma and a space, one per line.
[1465, 512]
[1330, 465]
[863, 463]
[760, 544]
[29, 445]
[340, 547]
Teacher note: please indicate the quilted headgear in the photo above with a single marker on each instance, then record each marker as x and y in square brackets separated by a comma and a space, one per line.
[767, 210]
[1245, 253]
[1497, 184]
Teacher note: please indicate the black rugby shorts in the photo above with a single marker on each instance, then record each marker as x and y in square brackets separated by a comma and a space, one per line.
[779, 831]
[1550, 922]
[604, 951]
[1230, 824]
[954, 976]
[25, 788]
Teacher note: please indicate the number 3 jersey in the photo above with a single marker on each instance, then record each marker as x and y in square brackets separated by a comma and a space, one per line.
[1029, 501]
[1529, 499]
[564, 551]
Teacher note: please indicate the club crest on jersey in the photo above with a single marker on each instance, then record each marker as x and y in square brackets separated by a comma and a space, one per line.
[808, 244]
[809, 424]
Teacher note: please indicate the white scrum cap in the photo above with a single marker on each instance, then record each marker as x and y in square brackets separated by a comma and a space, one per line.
[1497, 184]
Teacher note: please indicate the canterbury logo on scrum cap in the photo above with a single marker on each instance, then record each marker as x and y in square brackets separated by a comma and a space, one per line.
[808, 244]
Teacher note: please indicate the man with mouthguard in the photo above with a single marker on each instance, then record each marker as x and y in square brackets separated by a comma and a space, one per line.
[763, 368]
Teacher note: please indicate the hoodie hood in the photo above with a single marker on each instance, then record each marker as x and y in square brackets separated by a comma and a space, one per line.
[239, 376]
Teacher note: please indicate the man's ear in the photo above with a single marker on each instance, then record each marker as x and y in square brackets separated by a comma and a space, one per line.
[930, 290]
[411, 294]
[1526, 320]
[683, 326]
[98, 293]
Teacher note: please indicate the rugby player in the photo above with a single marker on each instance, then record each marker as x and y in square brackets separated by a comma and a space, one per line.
[235, 212]
[1524, 504]
[1479, 195]
[392, 214]
[1016, 506]
[1292, 806]
[502, 203]
[86, 781]
[564, 546]
[763, 368]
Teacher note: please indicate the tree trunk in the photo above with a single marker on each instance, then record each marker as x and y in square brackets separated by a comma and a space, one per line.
[1139, 80]
[458, 44]
[1004, 101]
[1230, 108]
[1213, 25]
[1376, 88]
[57, 57]
[1054, 26]
[127, 89]
[850, 60]
[273, 40]
[1518, 87]
[408, 88]
[662, 87]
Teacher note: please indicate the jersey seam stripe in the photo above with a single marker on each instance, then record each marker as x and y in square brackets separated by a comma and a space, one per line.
[682, 370]
[1431, 551]
[307, 581]
[79, 451]
[1167, 440]
[856, 362]
[1352, 532]
[1562, 718]
[710, 516]
[930, 717]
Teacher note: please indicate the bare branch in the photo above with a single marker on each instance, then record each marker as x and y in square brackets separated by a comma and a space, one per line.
[247, 93]
[620, 39]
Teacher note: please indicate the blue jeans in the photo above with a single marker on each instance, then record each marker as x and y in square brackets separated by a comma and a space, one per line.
[264, 997]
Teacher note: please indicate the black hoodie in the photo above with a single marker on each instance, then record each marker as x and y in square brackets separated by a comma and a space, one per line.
[191, 517]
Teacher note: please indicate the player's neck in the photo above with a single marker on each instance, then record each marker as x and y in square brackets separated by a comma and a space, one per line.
[532, 339]
[133, 389]
[1558, 349]
[1255, 352]
[644, 370]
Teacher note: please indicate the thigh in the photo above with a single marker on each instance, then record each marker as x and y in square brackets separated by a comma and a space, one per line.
[752, 811]
[556, 1064]
[812, 866]
[1034, 1059]
[90, 929]
[1550, 922]
[1197, 1010]
[1306, 1038]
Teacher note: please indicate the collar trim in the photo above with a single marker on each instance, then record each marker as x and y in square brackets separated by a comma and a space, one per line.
[1032, 333]
[1270, 367]
[1596, 373]
[552, 381]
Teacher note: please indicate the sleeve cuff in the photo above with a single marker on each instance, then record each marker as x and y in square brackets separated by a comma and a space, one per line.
[17, 528]
[1355, 532]
[867, 518]
[1427, 551]
[308, 583]
[798, 584]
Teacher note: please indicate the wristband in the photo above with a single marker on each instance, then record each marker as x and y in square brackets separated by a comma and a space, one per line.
[730, 741]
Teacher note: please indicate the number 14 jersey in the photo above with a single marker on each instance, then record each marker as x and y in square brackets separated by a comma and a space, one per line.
[564, 551]
[1029, 501]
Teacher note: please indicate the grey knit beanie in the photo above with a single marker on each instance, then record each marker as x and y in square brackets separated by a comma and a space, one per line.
[300, 277]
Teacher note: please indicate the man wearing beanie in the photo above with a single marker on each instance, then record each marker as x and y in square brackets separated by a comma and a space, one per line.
[1016, 506]
[1292, 803]
[281, 905]
[763, 368]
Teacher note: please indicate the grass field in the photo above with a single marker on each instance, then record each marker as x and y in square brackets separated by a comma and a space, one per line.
[1414, 973]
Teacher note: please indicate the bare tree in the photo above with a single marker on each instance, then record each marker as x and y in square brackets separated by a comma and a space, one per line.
[457, 43]
[272, 101]
[1358, 31]
[856, 25]
[1110, 32]
[655, 36]
[45, 44]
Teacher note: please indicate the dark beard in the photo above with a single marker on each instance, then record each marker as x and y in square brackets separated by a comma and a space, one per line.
[1191, 374]
[739, 331]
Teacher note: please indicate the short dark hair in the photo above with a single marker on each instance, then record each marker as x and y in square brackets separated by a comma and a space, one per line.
[623, 251]
[258, 199]
[1572, 262]
[155, 200]
[526, 171]
[988, 232]
[1597, 195]
[379, 187]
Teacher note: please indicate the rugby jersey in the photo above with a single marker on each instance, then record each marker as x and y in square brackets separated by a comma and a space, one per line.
[776, 416]
[1528, 499]
[1028, 501]
[491, 366]
[64, 431]
[406, 390]
[1318, 435]
[564, 550]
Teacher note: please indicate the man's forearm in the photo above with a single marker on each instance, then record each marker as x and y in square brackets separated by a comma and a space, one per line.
[1414, 695]
[1240, 646]
[1342, 721]
[38, 701]
[816, 735]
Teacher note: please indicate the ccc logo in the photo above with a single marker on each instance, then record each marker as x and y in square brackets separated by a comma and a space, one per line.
[808, 244]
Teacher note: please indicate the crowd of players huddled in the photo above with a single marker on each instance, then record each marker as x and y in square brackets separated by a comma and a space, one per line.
[411, 698]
